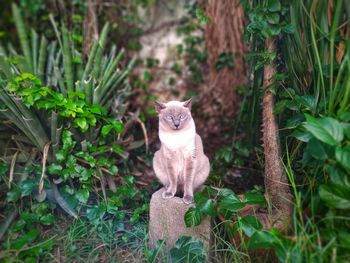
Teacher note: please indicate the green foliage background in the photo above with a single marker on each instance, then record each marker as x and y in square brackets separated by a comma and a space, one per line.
[69, 142]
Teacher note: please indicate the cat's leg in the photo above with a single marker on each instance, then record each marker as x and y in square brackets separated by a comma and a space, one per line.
[159, 169]
[202, 173]
[188, 180]
[172, 177]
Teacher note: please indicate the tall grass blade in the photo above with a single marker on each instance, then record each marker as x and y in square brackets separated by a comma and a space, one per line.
[34, 37]
[101, 45]
[42, 58]
[23, 36]
[67, 60]
[50, 63]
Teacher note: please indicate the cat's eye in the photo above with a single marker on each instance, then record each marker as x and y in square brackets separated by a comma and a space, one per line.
[169, 118]
[182, 117]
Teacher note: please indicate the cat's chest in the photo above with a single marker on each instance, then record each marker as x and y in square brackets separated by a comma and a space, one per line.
[181, 143]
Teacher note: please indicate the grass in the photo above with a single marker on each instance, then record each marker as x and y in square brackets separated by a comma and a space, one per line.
[78, 241]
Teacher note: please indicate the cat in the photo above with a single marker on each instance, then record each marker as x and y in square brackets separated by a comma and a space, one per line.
[180, 164]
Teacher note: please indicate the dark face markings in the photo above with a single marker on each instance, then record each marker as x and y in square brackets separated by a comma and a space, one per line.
[175, 117]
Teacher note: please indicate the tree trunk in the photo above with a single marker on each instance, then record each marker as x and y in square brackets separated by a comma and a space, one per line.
[90, 26]
[224, 33]
[276, 182]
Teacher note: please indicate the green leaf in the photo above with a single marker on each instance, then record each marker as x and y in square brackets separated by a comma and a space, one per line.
[280, 106]
[273, 18]
[13, 195]
[27, 187]
[106, 129]
[335, 196]
[188, 249]
[207, 207]
[343, 156]
[26, 238]
[19, 225]
[254, 199]
[274, 5]
[315, 148]
[95, 213]
[47, 220]
[344, 238]
[60, 156]
[302, 135]
[327, 130]
[129, 179]
[82, 195]
[117, 149]
[118, 126]
[55, 168]
[261, 239]
[193, 217]
[250, 224]
[29, 217]
[231, 203]
[81, 122]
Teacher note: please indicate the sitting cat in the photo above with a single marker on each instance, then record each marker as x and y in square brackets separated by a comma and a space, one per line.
[180, 164]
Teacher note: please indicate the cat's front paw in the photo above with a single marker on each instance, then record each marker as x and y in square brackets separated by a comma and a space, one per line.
[187, 199]
[167, 195]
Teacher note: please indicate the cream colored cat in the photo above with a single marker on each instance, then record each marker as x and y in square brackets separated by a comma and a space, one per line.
[180, 164]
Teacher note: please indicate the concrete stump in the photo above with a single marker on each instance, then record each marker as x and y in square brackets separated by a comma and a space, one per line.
[167, 221]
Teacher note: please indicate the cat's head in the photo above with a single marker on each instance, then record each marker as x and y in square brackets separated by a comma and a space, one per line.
[174, 114]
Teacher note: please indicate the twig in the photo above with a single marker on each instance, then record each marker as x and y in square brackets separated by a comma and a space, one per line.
[12, 168]
[45, 153]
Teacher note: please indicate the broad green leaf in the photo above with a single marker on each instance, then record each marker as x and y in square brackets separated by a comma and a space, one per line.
[47, 220]
[13, 195]
[25, 238]
[193, 217]
[302, 135]
[27, 187]
[188, 249]
[207, 207]
[327, 130]
[250, 224]
[55, 168]
[118, 126]
[273, 18]
[315, 148]
[19, 225]
[344, 237]
[95, 213]
[29, 217]
[261, 239]
[82, 195]
[274, 5]
[81, 122]
[335, 196]
[343, 156]
[106, 129]
[254, 199]
[231, 203]
[337, 175]
[307, 101]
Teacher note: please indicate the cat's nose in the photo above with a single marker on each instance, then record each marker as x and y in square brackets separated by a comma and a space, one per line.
[177, 125]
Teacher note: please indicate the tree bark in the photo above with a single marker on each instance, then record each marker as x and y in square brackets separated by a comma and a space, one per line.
[224, 33]
[90, 26]
[276, 182]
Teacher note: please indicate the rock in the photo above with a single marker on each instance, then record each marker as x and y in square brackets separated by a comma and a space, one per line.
[167, 221]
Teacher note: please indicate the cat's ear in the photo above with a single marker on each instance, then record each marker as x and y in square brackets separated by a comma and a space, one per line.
[159, 106]
[188, 103]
